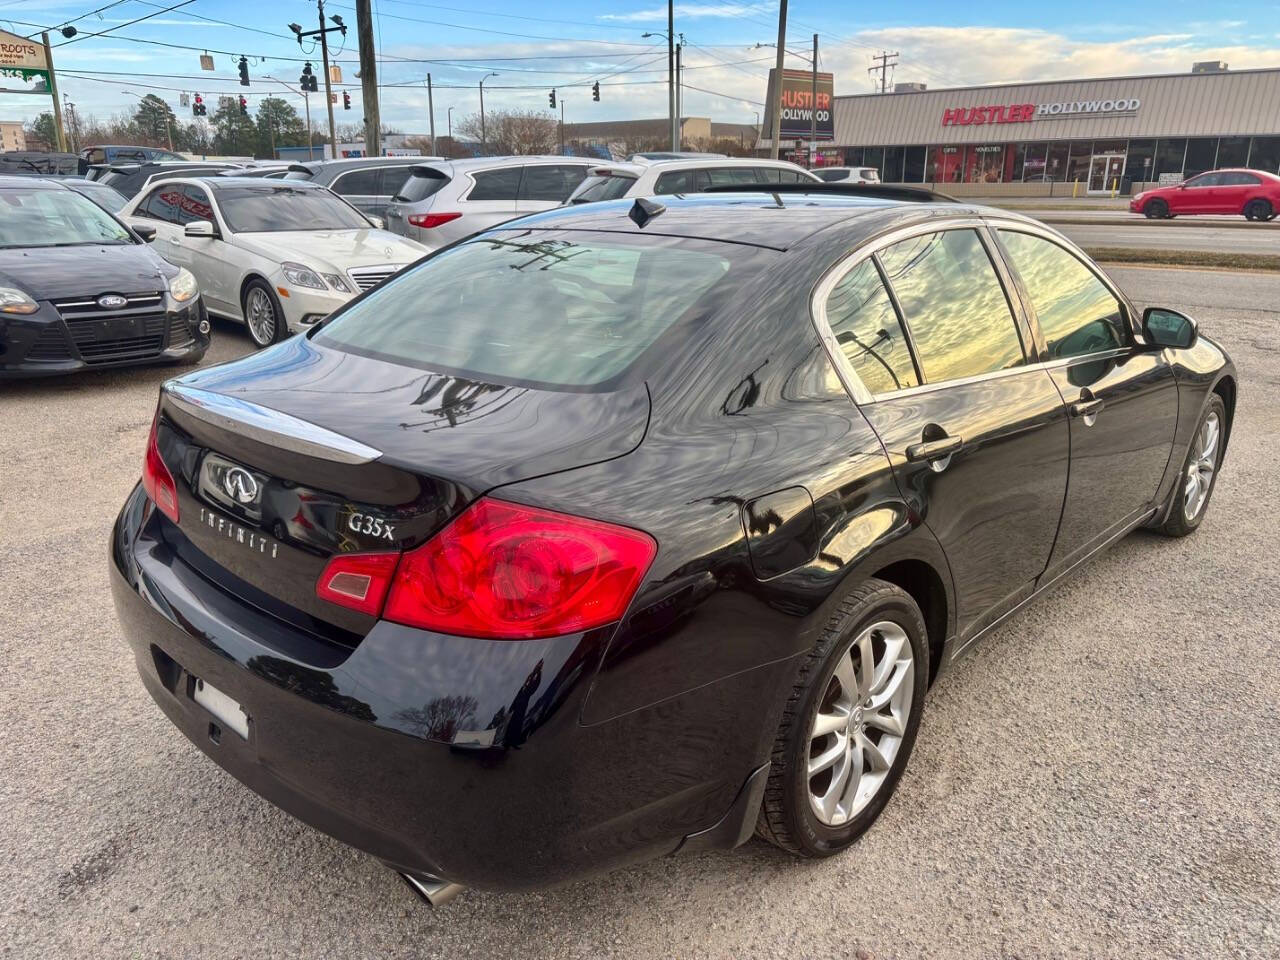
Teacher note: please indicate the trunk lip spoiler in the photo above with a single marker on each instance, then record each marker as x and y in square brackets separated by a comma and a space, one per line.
[268, 426]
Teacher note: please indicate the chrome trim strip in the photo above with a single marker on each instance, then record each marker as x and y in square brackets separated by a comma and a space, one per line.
[267, 426]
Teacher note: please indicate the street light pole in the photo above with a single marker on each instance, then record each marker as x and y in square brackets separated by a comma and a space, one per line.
[776, 105]
[671, 78]
[449, 121]
[562, 126]
[484, 142]
[813, 106]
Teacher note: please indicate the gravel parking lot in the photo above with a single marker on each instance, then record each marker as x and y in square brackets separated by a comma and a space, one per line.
[1100, 778]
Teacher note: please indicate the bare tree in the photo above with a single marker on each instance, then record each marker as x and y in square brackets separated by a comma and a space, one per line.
[513, 132]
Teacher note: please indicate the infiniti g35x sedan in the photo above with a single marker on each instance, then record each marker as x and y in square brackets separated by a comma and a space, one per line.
[639, 527]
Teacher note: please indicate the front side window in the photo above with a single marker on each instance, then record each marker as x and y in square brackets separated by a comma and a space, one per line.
[196, 205]
[954, 304]
[274, 207]
[868, 332]
[1077, 313]
[496, 184]
[1205, 180]
[163, 204]
[589, 304]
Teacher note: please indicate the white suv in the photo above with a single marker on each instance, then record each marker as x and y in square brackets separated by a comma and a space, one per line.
[446, 200]
[849, 174]
[609, 181]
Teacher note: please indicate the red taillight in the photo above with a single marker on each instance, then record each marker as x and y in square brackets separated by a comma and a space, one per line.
[156, 478]
[358, 580]
[429, 220]
[507, 571]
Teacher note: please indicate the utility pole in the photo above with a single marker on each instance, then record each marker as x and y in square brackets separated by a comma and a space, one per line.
[368, 79]
[328, 90]
[484, 141]
[73, 124]
[562, 126]
[813, 106]
[679, 97]
[776, 106]
[886, 60]
[431, 116]
[671, 72]
[53, 89]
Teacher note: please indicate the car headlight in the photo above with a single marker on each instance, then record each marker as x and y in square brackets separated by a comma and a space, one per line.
[15, 301]
[337, 282]
[302, 276]
[183, 286]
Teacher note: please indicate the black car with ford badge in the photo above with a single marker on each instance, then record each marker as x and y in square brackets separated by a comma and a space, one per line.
[635, 528]
[80, 290]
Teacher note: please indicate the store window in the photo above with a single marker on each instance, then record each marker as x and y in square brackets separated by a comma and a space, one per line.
[891, 172]
[1056, 163]
[1142, 158]
[984, 163]
[1081, 157]
[945, 164]
[1169, 154]
[1034, 163]
[1265, 154]
[874, 157]
[1201, 154]
[913, 164]
[1232, 152]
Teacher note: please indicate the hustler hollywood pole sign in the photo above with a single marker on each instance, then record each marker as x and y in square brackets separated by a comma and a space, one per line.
[1029, 112]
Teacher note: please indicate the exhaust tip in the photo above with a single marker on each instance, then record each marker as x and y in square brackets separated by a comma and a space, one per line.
[435, 891]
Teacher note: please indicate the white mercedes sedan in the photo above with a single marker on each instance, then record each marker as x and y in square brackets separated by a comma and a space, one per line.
[277, 255]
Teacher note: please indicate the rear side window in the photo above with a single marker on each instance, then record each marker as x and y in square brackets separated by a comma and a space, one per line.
[496, 184]
[551, 182]
[421, 184]
[390, 179]
[1237, 179]
[955, 307]
[1077, 313]
[359, 183]
[163, 204]
[589, 304]
[726, 176]
[832, 176]
[604, 188]
[792, 176]
[681, 181]
[868, 332]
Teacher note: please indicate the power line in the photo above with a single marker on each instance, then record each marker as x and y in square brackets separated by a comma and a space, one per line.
[67, 23]
[85, 36]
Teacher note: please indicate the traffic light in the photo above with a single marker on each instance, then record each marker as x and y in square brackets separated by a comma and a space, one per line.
[198, 108]
[346, 100]
[244, 72]
[244, 105]
[308, 79]
[552, 99]
[595, 91]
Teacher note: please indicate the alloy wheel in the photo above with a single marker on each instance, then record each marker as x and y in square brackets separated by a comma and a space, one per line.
[1201, 467]
[260, 313]
[860, 723]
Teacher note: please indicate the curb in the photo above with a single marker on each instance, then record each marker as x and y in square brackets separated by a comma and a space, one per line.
[1126, 256]
[1139, 220]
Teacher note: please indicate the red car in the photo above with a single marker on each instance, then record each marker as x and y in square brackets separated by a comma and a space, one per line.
[1254, 193]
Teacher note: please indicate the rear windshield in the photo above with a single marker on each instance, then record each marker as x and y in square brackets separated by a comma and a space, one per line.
[420, 185]
[602, 188]
[588, 305]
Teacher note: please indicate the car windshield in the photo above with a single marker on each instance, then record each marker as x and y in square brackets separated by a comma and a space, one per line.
[55, 218]
[273, 208]
[589, 305]
[606, 187]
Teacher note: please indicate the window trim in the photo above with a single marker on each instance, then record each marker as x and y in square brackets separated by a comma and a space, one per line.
[1024, 315]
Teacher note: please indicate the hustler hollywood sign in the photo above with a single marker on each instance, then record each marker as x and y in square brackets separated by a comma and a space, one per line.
[1029, 112]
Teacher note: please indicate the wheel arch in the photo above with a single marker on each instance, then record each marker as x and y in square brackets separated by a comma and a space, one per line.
[1226, 389]
[926, 586]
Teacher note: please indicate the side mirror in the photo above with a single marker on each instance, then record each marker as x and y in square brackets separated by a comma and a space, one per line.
[145, 233]
[1168, 328]
[378, 222]
[200, 228]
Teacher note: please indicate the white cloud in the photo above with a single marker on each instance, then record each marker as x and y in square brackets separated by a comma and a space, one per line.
[689, 11]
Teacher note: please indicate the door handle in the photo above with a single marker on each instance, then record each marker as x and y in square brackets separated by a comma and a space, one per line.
[932, 450]
[1087, 410]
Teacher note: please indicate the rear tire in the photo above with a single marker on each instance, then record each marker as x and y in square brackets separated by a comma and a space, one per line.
[862, 726]
[1259, 210]
[1189, 499]
[1156, 209]
[263, 315]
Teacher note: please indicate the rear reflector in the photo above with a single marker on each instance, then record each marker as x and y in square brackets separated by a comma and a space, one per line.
[429, 220]
[156, 478]
[506, 571]
[358, 580]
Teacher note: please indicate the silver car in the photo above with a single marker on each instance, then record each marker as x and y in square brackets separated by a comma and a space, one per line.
[446, 200]
[645, 178]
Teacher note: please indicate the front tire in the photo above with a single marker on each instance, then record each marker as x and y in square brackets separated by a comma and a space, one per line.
[849, 725]
[263, 315]
[1156, 209]
[1190, 495]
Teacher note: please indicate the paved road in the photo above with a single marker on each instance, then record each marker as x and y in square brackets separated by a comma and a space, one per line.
[1099, 779]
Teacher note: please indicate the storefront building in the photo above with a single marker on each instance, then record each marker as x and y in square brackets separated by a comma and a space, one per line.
[1081, 136]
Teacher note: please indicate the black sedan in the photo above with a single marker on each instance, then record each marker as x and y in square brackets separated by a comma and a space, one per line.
[79, 289]
[634, 528]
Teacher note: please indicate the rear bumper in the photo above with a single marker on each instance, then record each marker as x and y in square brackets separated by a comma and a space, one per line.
[449, 756]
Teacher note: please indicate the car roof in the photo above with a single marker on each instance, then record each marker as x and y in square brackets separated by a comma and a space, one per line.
[463, 164]
[10, 181]
[780, 221]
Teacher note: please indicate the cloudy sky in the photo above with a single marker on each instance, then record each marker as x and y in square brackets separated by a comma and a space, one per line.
[569, 45]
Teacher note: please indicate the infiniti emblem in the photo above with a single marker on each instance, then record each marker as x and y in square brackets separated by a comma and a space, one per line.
[112, 301]
[240, 485]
